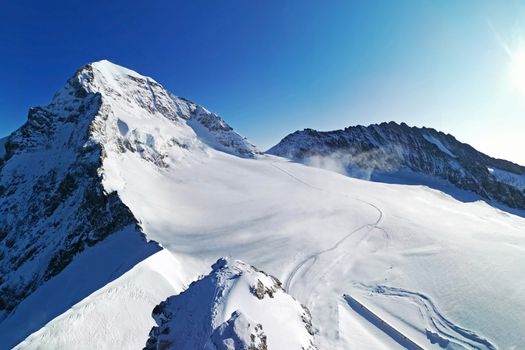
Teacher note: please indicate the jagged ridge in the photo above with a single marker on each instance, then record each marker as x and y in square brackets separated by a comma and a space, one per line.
[389, 147]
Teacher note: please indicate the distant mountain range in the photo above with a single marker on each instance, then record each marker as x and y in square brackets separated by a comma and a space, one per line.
[387, 150]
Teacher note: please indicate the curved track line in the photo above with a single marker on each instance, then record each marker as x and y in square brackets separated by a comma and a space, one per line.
[314, 256]
[444, 328]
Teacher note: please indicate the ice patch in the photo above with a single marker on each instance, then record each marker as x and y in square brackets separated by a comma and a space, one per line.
[515, 180]
[439, 145]
[122, 127]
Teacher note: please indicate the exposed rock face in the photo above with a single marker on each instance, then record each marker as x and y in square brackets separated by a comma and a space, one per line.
[54, 201]
[389, 147]
[234, 307]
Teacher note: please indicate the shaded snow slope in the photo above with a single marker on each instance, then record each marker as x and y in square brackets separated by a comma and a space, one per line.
[234, 307]
[64, 297]
[114, 317]
[393, 149]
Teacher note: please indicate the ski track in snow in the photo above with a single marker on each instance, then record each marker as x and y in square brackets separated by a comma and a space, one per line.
[447, 331]
[329, 313]
[289, 280]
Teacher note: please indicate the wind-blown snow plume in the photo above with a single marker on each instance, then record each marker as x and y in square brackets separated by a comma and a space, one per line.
[360, 165]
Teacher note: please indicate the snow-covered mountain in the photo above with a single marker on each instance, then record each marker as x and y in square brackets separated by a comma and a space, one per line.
[234, 307]
[53, 200]
[118, 195]
[397, 152]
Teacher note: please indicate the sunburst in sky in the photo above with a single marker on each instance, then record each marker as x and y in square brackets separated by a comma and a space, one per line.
[517, 68]
[270, 68]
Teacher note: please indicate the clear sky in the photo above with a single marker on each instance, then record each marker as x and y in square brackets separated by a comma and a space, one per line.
[272, 67]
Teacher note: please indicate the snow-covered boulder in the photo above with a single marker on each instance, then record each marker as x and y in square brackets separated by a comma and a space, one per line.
[236, 306]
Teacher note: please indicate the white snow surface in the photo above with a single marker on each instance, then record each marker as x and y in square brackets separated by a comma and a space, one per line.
[325, 234]
[423, 261]
[112, 317]
[139, 108]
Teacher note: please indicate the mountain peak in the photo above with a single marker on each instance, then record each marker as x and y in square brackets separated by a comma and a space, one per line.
[56, 165]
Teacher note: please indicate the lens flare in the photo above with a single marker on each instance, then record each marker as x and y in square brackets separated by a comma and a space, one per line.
[517, 70]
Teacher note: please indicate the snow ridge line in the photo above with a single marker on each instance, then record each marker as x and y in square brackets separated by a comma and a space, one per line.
[447, 330]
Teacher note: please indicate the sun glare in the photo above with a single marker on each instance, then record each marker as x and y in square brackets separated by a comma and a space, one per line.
[517, 70]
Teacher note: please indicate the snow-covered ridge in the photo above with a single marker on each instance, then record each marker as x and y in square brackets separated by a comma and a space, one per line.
[236, 306]
[390, 148]
[134, 98]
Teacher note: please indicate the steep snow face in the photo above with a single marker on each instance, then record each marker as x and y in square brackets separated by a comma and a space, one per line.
[146, 118]
[52, 203]
[117, 316]
[438, 144]
[141, 117]
[391, 149]
[58, 196]
[234, 307]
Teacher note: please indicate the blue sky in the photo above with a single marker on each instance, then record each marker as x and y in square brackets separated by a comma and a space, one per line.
[272, 67]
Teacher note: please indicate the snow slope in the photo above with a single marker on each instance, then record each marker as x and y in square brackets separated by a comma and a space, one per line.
[325, 235]
[437, 270]
[107, 319]
[438, 144]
